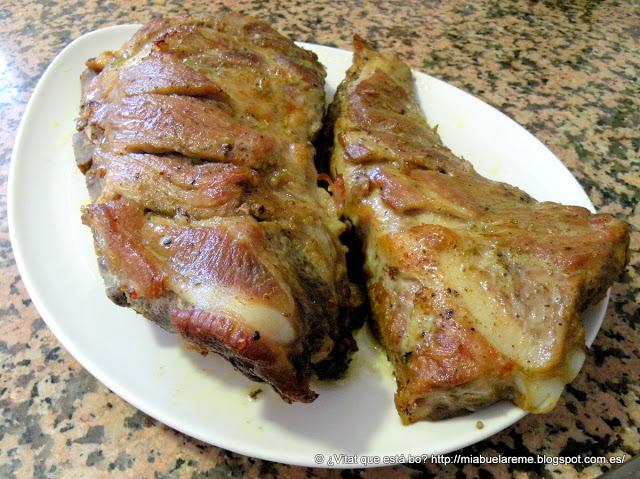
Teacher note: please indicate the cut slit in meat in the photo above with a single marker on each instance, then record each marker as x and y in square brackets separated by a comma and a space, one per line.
[161, 74]
[185, 125]
[172, 185]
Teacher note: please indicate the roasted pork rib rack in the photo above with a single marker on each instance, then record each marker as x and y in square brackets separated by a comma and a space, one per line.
[476, 289]
[195, 139]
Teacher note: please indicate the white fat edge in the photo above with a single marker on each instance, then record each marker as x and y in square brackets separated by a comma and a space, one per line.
[540, 395]
[268, 321]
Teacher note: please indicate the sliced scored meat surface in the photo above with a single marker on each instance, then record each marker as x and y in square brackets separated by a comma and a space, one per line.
[476, 289]
[173, 184]
[192, 127]
[195, 139]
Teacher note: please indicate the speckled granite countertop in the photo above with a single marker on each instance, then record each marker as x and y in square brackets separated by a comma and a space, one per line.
[568, 73]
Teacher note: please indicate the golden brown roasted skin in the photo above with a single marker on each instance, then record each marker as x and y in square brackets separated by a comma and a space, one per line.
[195, 139]
[476, 288]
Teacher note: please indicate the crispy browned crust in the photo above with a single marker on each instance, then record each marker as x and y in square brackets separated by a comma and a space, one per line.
[195, 138]
[476, 289]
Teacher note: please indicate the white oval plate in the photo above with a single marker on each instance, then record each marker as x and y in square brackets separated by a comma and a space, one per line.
[203, 396]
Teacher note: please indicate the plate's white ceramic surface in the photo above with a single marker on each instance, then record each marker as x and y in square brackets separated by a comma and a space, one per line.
[203, 396]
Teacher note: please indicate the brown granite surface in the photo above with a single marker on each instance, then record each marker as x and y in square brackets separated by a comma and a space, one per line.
[569, 72]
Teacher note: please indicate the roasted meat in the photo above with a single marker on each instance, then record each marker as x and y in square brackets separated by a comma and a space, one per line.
[195, 139]
[476, 289]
